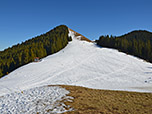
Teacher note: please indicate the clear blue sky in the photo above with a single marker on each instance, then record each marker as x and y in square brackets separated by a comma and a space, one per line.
[23, 19]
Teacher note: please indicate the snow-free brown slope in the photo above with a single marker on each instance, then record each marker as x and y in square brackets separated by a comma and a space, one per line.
[80, 36]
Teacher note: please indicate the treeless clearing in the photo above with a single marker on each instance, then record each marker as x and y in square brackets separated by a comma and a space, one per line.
[93, 101]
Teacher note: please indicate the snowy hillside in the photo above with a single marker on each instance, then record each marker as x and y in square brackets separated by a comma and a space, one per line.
[39, 100]
[82, 63]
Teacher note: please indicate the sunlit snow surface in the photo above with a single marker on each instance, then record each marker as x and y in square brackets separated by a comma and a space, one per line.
[40, 100]
[80, 63]
[83, 64]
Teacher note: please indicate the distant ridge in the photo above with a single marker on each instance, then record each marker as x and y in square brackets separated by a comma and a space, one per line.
[140, 33]
[137, 43]
[81, 36]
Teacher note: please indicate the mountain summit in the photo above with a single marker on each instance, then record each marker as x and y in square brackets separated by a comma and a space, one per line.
[79, 36]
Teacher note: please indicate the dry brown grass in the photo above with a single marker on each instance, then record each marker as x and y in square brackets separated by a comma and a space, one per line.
[82, 37]
[92, 101]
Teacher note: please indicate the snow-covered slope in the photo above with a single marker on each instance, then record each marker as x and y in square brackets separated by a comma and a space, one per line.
[83, 63]
[39, 100]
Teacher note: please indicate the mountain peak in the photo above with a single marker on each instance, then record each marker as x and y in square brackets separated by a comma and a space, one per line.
[79, 36]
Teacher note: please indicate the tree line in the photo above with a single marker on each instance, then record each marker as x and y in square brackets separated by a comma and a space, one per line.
[137, 43]
[40, 46]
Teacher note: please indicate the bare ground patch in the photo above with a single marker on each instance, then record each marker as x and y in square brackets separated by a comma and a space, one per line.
[93, 101]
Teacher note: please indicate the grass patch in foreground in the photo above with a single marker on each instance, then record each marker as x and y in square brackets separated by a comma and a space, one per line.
[93, 101]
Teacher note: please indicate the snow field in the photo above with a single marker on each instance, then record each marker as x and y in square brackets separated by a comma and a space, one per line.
[40, 100]
[85, 64]
[80, 63]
